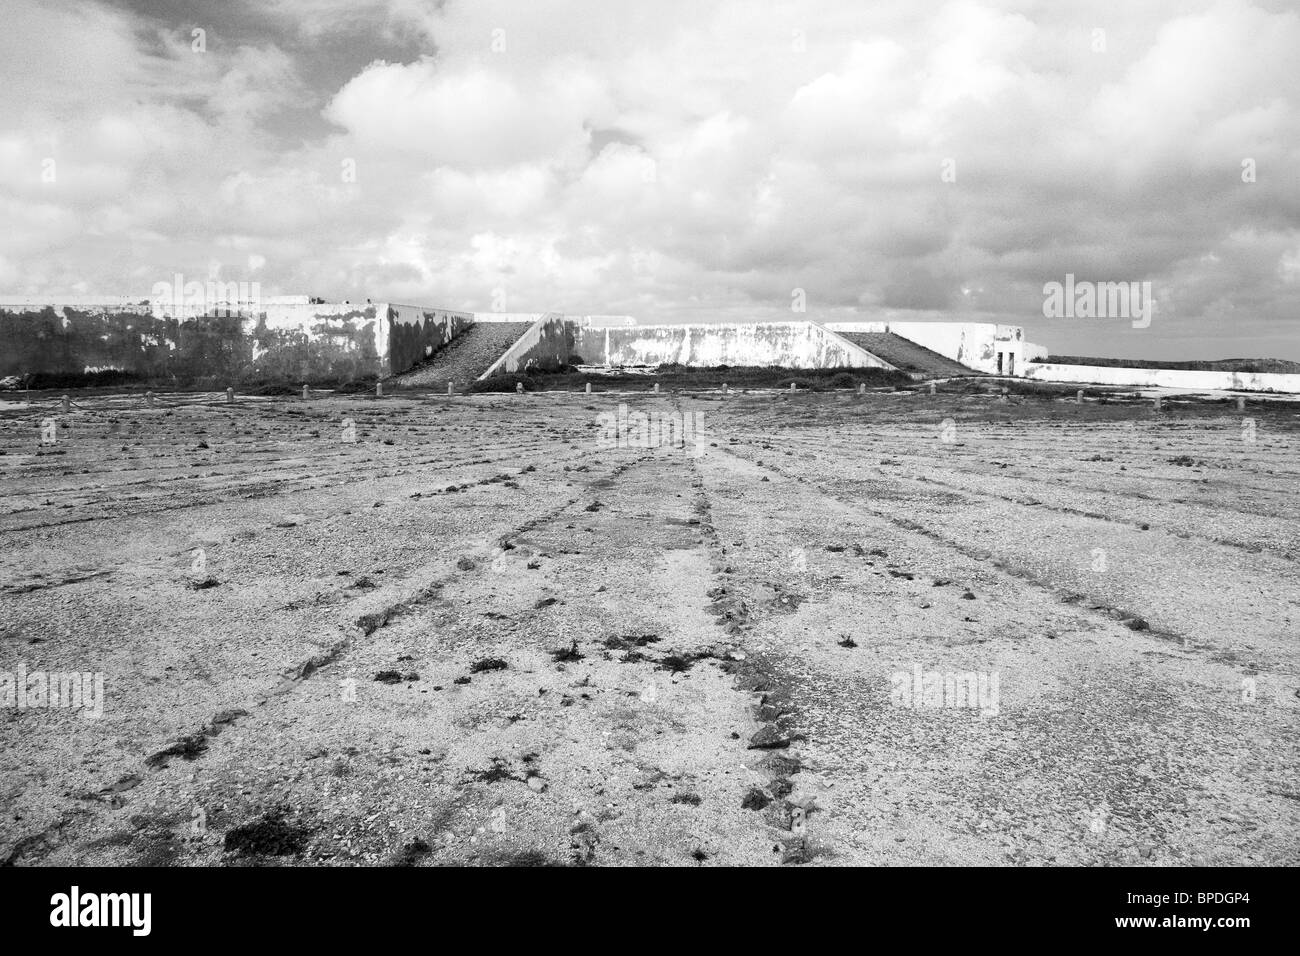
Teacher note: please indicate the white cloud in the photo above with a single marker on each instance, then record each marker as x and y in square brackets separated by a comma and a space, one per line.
[670, 160]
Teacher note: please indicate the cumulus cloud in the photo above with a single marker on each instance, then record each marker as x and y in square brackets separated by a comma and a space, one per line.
[674, 161]
[470, 118]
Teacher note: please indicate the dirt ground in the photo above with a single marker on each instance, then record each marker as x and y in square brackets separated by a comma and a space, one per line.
[425, 630]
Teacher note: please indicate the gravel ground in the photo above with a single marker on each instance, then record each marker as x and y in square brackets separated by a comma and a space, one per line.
[425, 630]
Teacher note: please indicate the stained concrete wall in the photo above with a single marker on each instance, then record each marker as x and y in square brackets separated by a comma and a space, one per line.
[548, 341]
[283, 343]
[786, 344]
[325, 341]
[416, 332]
[1164, 377]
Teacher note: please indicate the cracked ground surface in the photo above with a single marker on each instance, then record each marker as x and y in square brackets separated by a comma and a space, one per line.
[474, 635]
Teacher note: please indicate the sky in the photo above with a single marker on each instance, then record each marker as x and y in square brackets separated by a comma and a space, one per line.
[681, 160]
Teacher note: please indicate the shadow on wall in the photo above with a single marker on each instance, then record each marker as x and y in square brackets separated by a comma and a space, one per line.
[547, 345]
[415, 333]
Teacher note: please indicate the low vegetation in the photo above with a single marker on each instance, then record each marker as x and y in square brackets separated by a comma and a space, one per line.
[678, 377]
[1283, 366]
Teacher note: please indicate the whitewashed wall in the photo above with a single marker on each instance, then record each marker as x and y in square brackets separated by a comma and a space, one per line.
[788, 344]
[975, 344]
[1165, 378]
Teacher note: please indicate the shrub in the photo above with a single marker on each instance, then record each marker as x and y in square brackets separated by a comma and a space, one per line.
[81, 379]
[505, 382]
[354, 386]
[799, 383]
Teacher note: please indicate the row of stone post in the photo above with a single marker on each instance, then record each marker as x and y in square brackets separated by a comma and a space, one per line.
[66, 402]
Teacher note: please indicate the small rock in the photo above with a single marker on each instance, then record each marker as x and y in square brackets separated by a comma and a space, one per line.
[768, 738]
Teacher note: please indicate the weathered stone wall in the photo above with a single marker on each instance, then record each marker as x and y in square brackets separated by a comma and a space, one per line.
[548, 341]
[974, 344]
[289, 343]
[320, 342]
[786, 344]
[416, 332]
[53, 340]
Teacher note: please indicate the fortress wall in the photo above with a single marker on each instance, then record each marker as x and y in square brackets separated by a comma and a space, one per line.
[289, 342]
[416, 332]
[1165, 377]
[787, 344]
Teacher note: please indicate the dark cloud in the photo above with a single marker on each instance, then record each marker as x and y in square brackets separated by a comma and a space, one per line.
[679, 162]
